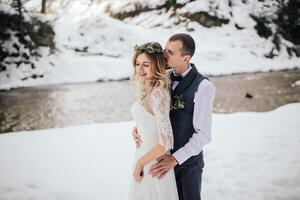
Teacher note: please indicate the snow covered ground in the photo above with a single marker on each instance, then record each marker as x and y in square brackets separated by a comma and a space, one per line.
[252, 156]
[108, 43]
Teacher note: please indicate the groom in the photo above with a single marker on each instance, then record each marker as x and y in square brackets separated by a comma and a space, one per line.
[191, 117]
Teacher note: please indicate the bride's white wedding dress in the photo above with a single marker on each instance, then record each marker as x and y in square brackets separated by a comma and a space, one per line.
[153, 129]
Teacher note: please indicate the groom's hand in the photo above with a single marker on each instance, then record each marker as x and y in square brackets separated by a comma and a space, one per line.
[163, 166]
[136, 137]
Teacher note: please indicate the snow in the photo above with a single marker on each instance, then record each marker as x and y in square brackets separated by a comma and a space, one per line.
[195, 6]
[129, 6]
[5, 5]
[251, 156]
[297, 83]
[106, 44]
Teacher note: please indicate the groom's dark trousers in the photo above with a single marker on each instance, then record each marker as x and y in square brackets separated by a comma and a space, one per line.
[188, 178]
[189, 173]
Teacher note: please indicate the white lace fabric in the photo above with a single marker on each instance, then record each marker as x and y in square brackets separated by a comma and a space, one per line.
[160, 102]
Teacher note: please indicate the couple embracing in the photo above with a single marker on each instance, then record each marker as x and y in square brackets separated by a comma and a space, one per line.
[173, 116]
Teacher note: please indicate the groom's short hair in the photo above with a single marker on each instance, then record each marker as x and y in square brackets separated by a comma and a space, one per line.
[188, 43]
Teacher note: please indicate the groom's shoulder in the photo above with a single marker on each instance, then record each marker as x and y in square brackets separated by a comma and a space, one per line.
[207, 85]
[204, 82]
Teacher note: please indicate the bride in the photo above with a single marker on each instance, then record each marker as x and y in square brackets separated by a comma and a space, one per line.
[151, 114]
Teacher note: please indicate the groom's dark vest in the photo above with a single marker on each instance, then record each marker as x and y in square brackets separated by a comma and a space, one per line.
[182, 119]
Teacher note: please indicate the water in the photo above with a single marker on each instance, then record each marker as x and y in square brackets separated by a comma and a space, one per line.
[63, 105]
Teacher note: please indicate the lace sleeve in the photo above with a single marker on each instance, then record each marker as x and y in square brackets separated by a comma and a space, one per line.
[160, 101]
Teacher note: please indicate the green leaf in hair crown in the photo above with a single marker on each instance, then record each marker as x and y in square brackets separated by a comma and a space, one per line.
[148, 49]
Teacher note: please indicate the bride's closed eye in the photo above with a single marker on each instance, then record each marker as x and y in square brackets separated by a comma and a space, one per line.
[142, 65]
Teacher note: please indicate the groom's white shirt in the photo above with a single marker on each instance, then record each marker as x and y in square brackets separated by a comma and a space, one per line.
[202, 120]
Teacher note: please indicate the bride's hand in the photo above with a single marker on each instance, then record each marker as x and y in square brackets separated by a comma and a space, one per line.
[137, 138]
[138, 172]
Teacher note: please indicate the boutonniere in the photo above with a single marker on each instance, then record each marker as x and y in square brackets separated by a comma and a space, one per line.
[177, 102]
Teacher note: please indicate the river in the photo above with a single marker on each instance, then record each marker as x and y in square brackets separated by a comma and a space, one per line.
[52, 106]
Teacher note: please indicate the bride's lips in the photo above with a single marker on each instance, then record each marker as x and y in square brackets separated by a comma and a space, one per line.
[142, 75]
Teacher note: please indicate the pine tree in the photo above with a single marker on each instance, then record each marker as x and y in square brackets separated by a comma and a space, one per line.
[43, 7]
[288, 20]
[17, 5]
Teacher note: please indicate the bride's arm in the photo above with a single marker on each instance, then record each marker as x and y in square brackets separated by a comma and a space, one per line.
[157, 151]
[160, 101]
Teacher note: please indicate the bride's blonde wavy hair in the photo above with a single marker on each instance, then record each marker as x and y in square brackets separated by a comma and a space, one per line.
[154, 53]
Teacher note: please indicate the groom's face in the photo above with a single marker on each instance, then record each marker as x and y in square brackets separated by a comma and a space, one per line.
[174, 55]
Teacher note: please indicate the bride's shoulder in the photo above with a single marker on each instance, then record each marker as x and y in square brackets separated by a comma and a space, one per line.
[160, 91]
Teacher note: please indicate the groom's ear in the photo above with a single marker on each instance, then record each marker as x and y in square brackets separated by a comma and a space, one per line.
[187, 58]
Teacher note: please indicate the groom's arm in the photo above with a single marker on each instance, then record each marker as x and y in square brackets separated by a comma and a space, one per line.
[202, 120]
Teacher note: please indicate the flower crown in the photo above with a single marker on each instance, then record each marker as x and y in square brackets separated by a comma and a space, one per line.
[148, 49]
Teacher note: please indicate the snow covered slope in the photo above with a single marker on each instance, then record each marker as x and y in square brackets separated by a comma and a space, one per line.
[91, 45]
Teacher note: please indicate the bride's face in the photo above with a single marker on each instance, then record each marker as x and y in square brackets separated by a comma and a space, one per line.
[143, 67]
